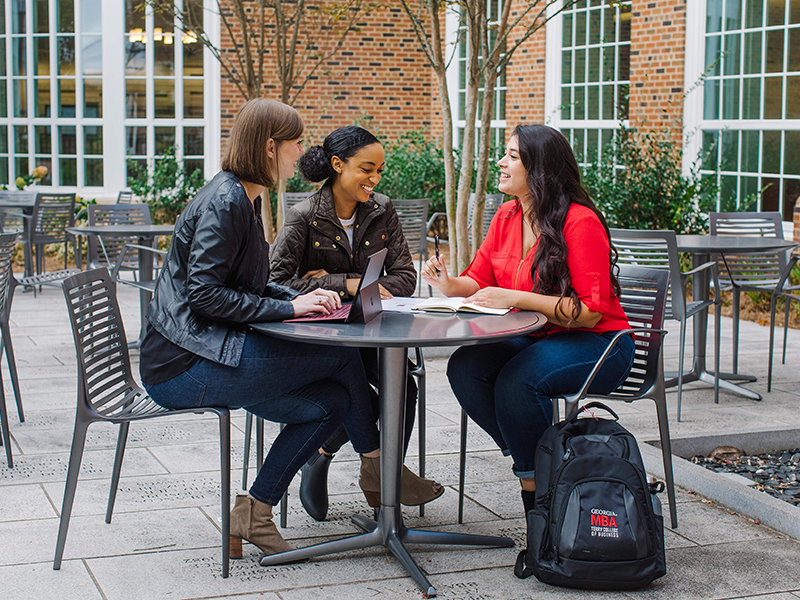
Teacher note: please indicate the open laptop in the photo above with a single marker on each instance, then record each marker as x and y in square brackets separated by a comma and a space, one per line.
[366, 304]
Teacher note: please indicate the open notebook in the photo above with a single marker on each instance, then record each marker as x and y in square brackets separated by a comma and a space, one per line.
[366, 304]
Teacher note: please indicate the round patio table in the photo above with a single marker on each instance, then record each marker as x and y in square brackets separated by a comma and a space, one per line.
[393, 334]
[701, 247]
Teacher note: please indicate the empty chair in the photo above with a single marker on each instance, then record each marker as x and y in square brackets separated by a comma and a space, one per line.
[755, 272]
[104, 252]
[289, 199]
[108, 392]
[788, 294]
[7, 242]
[643, 298]
[490, 206]
[7, 286]
[125, 197]
[659, 250]
[52, 214]
[413, 215]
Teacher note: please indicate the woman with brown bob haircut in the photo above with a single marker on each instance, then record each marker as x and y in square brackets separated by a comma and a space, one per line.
[198, 350]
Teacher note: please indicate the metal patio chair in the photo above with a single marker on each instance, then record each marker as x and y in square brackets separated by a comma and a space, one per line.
[289, 199]
[659, 250]
[105, 252]
[7, 243]
[757, 272]
[52, 214]
[125, 197]
[490, 206]
[643, 298]
[413, 215]
[108, 392]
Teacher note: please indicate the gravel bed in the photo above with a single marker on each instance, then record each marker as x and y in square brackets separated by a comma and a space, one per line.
[777, 473]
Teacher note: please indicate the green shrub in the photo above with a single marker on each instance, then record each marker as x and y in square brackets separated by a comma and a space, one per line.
[414, 169]
[168, 189]
[638, 184]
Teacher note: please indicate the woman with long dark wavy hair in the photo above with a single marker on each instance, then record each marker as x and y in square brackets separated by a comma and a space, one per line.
[547, 250]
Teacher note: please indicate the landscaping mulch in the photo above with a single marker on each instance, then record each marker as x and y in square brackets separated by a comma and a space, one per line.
[774, 473]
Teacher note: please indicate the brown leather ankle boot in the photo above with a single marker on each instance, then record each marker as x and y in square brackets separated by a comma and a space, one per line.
[252, 520]
[414, 490]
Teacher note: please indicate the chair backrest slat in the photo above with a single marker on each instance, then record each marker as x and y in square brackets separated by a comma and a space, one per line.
[7, 243]
[52, 214]
[490, 206]
[104, 251]
[757, 269]
[289, 199]
[106, 380]
[413, 215]
[124, 197]
[643, 298]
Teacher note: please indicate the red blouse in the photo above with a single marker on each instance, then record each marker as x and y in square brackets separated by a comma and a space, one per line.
[499, 262]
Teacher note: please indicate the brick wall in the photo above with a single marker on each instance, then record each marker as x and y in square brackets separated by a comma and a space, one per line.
[657, 63]
[379, 77]
[525, 81]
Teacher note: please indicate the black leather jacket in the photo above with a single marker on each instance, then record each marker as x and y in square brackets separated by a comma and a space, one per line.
[312, 237]
[215, 279]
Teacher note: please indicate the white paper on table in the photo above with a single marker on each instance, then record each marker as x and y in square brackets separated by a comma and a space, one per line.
[400, 304]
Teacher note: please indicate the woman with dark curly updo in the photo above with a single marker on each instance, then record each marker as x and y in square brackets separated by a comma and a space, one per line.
[547, 250]
[324, 244]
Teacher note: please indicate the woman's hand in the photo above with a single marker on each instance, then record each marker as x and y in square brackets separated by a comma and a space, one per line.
[324, 301]
[385, 294]
[315, 274]
[493, 297]
[434, 273]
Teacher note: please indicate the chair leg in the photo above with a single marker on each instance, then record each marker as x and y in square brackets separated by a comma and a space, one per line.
[248, 429]
[666, 453]
[260, 460]
[681, 353]
[122, 440]
[12, 367]
[75, 456]
[462, 465]
[736, 299]
[717, 342]
[773, 305]
[418, 371]
[225, 486]
[785, 327]
[6, 434]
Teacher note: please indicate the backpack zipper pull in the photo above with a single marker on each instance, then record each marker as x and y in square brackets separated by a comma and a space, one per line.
[566, 455]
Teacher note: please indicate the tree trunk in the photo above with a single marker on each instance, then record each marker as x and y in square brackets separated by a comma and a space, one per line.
[484, 147]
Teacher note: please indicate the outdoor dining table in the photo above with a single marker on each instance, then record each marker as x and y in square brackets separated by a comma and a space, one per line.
[146, 234]
[701, 247]
[393, 334]
[25, 203]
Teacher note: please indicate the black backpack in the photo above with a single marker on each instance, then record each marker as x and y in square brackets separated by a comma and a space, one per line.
[597, 523]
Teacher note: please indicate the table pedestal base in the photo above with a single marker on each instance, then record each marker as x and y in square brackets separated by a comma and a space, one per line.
[725, 381]
[389, 531]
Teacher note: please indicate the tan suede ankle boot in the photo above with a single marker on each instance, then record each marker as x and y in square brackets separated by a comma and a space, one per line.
[252, 520]
[414, 490]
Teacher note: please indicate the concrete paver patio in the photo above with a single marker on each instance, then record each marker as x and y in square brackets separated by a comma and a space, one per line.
[164, 540]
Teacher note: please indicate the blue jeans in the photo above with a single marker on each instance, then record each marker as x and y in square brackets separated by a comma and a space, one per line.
[506, 387]
[311, 388]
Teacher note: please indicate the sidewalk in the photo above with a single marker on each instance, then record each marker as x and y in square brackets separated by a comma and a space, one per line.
[164, 540]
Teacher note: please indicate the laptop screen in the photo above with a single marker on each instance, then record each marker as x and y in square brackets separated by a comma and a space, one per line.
[367, 300]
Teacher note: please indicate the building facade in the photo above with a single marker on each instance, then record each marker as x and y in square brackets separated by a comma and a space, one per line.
[87, 85]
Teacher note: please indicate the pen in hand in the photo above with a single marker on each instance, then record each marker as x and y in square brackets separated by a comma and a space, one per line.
[436, 247]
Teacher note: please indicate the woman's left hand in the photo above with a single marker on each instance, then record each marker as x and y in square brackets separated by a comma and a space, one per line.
[492, 297]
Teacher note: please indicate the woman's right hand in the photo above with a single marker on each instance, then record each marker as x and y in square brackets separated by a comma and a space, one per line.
[434, 273]
[319, 300]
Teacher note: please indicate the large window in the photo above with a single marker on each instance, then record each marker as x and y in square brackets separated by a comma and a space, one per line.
[498, 123]
[588, 85]
[85, 84]
[749, 116]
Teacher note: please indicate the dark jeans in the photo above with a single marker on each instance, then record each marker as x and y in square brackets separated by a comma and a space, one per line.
[370, 358]
[506, 387]
[311, 388]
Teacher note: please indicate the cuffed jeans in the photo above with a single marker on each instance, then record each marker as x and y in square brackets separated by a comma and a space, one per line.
[311, 388]
[506, 387]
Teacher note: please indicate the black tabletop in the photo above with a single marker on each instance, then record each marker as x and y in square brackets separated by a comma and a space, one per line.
[392, 329]
[731, 244]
